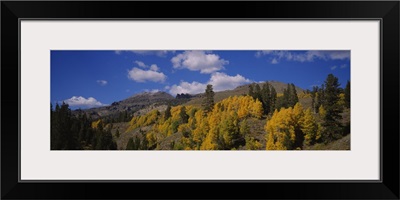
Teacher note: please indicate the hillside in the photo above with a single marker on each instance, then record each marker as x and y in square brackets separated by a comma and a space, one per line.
[240, 90]
[143, 103]
[340, 144]
[147, 123]
[139, 102]
[254, 138]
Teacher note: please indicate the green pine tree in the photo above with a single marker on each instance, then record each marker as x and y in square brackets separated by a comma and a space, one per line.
[313, 98]
[257, 92]
[251, 90]
[167, 114]
[331, 122]
[266, 98]
[273, 99]
[347, 95]
[208, 102]
[183, 115]
[293, 98]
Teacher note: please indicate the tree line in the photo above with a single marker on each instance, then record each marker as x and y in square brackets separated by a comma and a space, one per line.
[69, 132]
[292, 127]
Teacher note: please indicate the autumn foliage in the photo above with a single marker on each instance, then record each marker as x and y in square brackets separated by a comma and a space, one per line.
[260, 120]
[221, 128]
[290, 127]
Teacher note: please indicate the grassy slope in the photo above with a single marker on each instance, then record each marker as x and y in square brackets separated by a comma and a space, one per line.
[340, 144]
[124, 137]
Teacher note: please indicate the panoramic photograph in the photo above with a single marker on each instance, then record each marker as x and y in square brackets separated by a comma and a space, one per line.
[200, 100]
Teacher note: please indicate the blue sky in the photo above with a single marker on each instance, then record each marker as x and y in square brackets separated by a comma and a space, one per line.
[94, 78]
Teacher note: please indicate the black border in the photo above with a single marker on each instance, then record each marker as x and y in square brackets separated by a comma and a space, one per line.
[196, 180]
[387, 11]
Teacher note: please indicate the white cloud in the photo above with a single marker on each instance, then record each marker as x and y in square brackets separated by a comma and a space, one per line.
[152, 74]
[220, 82]
[140, 75]
[152, 67]
[102, 82]
[343, 66]
[202, 61]
[328, 55]
[82, 102]
[307, 56]
[117, 52]
[261, 53]
[333, 67]
[152, 91]
[185, 87]
[140, 64]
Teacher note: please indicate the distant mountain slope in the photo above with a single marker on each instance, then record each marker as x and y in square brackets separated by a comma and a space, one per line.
[240, 90]
[133, 104]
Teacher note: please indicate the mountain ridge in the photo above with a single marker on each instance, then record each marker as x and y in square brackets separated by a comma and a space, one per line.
[241, 90]
[144, 102]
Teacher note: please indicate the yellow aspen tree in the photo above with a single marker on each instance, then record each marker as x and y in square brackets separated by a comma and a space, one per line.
[151, 138]
[257, 109]
[210, 142]
[297, 114]
[186, 143]
[133, 121]
[252, 144]
[175, 113]
[270, 128]
[96, 123]
[229, 130]
[185, 130]
[243, 110]
[310, 128]
[211, 139]
[151, 117]
[165, 128]
[322, 111]
[280, 131]
[201, 128]
[234, 103]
